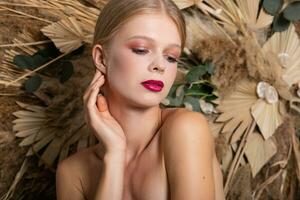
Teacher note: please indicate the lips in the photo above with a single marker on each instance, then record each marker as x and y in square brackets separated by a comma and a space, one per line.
[153, 85]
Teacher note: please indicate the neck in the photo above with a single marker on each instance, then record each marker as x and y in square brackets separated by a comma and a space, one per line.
[140, 125]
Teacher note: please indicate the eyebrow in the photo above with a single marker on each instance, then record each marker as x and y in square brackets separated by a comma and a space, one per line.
[151, 39]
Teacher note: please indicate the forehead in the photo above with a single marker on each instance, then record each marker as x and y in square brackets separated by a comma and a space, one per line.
[160, 28]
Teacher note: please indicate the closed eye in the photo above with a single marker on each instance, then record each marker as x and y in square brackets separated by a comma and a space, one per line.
[140, 51]
[172, 60]
[145, 51]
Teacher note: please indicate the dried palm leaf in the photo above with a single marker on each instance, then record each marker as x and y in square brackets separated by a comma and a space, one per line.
[235, 109]
[67, 8]
[259, 151]
[9, 71]
[38, 127]
[67, 34]
[267, 117]
[215, 128]
[233, 15]
[255, 18]
[182, 4]
[23, 14]
[222, 11]
[239, 155]
[51, 131]
[286, 46]
[235, 147]
[97, 3]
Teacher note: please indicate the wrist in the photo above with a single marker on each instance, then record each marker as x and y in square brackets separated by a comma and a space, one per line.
[116, 157]
[117, 150]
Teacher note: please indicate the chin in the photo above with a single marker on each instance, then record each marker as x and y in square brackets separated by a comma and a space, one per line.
[147, 100]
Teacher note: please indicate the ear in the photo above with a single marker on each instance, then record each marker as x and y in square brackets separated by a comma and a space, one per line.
[98, 58]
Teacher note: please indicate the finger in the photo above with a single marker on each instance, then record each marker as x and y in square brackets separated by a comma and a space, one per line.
[88, 90]
[96, 76]
[101, 103]
[94, 92]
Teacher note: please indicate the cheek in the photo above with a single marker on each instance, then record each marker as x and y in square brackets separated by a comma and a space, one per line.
[125, 70]
[129, 65]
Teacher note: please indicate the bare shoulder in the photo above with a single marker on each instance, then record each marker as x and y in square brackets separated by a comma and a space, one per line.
[72, 172]
[79, 160]
[183, 122]
[189, 157]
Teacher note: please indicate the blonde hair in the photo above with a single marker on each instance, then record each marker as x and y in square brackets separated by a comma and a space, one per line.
[117, 12]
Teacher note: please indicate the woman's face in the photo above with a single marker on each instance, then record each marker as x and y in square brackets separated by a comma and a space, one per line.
[145, 48]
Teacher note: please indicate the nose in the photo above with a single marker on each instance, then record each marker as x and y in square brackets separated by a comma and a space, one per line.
[157, 65]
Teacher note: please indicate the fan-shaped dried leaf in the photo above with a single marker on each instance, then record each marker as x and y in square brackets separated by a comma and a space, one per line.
[67, 34]
[234, 14]
[222, 11]
[259, 151]
[34, 137]
[34, 108]
[21, 127]
[52, 151]
[235, 108]
[28, 132]
[40, 144]
[182, 4]
[286, 46]
[267, 117]
[22, 113]
[253, 16]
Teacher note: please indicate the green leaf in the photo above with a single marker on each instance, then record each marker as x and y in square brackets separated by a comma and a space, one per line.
[22, 61]
[195, 73]
[272, 6]
[33, 83]
[280, 23]
[67, 71]
[175, 101]
[37, 61]
[193, 101]
[199, 90]
[172, 92]
[292, 11]
[30, 62]
[51, 51]
[177, 96]
[210, 68]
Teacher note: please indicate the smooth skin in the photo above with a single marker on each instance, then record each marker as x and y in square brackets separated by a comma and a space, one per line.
[136, 160]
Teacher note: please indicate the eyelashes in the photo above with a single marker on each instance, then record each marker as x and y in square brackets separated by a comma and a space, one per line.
[145, 51]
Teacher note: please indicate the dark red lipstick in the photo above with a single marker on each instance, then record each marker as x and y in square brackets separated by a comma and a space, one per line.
[153, 85]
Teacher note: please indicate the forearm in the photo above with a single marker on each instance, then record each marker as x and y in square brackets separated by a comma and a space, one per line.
[112, 178]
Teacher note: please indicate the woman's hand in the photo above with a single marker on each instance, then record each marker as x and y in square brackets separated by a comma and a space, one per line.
[98, 117]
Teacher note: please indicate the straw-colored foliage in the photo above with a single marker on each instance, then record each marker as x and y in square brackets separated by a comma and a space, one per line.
[286, 46]
[182, 4]
[67, 34]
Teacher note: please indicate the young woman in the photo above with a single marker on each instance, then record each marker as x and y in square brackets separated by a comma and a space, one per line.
[145, 152]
